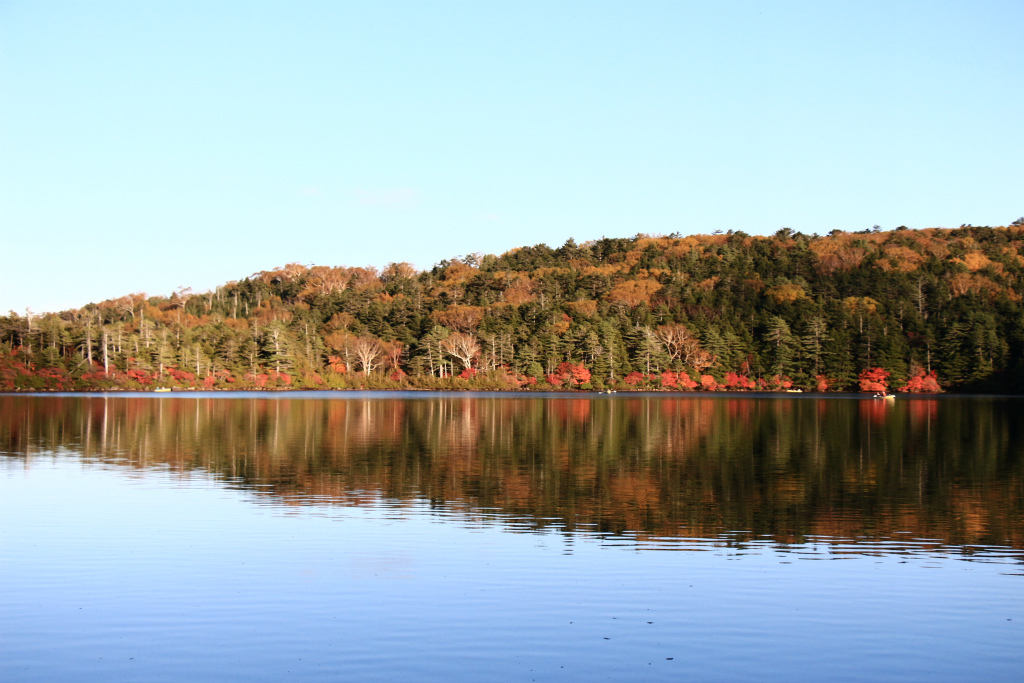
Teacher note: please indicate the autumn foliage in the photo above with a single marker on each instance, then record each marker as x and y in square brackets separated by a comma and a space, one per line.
[922, 383]
[871, 311]
[874, 380]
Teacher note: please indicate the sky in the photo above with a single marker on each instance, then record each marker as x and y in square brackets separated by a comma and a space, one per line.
[148, 146]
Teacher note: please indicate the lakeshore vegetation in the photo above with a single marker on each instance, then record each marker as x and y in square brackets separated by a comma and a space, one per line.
[902, 310]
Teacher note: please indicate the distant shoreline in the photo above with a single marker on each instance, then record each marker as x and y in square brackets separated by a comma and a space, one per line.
[234, 393]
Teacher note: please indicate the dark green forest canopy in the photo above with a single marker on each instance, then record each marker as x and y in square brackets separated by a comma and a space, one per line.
[727, 310]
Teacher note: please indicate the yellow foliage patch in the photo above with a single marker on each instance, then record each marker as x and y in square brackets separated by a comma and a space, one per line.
[860, 304]
[786, 294]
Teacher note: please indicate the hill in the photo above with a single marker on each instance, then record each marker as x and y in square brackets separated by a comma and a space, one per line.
[906, 309]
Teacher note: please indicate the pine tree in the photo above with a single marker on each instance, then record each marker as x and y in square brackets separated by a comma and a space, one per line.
[782, 347]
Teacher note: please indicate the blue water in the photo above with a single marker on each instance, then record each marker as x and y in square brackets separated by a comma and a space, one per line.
[115, 573]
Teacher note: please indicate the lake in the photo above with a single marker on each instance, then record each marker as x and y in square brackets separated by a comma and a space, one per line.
[510, 537]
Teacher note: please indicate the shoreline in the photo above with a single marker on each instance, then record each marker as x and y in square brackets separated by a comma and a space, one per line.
[341, 393]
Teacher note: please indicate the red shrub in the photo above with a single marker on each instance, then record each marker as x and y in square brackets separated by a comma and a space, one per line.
[739, 382]
[922, 383]
[874, 380]
[686, 382]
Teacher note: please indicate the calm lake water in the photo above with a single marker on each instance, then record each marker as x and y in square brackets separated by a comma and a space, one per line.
[483, 537]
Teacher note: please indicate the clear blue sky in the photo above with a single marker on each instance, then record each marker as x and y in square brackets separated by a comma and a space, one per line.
[150, 145]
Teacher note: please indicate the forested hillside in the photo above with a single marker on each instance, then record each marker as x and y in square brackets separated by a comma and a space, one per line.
[907, 309]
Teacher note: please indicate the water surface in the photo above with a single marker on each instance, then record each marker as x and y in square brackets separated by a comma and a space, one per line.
[505, 538]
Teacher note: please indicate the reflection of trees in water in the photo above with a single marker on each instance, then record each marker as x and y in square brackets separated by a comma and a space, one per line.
[666, 466]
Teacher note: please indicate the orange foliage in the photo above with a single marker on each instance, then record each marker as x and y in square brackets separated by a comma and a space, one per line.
[265, 315]
[585, 309]
[324, 280]
[964, 283]
[560, 327]
[461, 318]
[633, 292]
[709, 284]
[286, 273]
[398, 271]
[975, 260]
[365, 278]
[519, 289]
[458, 273]
[605, 271]
[786, 294]
[900, 258]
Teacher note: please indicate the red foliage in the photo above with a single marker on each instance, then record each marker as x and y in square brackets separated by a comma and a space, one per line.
[739, 382]
[874, 380]
[468, 373]
[579, 373]
[570, 374]
[141, 376]
[181, 376]
[633, 378]
[708, 383]
[554, 380]
[780, 382]
[823, 383]
[669, 379]
[397, 375]
[923, 383]
[686, 382]
[512, 379]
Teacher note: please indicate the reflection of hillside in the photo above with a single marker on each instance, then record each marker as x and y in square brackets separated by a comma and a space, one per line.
[950, 470]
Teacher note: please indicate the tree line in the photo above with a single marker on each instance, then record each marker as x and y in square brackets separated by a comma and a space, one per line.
[914, 310]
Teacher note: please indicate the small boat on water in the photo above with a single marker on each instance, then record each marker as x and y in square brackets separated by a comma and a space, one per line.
[885, 397]
[161, 389]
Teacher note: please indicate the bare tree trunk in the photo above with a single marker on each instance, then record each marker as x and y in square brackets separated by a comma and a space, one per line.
[277, 352]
